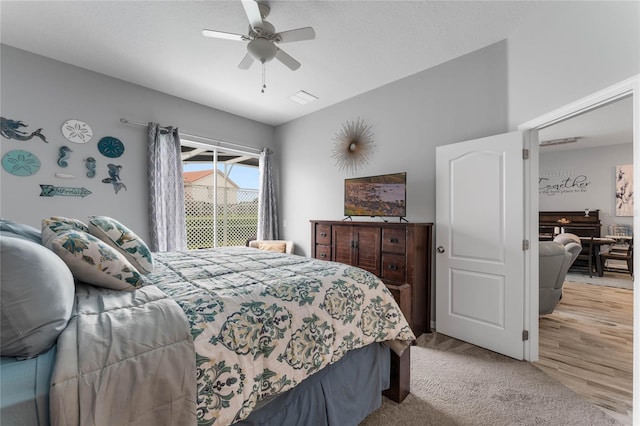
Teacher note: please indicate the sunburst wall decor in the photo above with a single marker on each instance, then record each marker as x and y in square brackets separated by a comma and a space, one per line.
[354, 145]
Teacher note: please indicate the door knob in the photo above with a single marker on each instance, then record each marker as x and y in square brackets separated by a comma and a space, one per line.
[440, 249]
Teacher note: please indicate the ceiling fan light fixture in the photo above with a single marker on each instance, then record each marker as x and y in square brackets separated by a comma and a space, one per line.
[262, 50]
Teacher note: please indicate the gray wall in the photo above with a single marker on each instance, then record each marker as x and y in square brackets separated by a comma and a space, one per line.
[462, 99]
[45, 93]
[573, 51]
[579, 49]
[598, 166]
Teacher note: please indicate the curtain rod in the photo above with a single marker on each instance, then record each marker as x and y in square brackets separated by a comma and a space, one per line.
[258, 150]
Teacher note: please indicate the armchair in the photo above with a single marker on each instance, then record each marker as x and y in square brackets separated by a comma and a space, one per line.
[555, 260]
[571, 243]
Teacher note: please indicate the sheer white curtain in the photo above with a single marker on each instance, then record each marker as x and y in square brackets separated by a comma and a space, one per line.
[166, 190]
[267, 210]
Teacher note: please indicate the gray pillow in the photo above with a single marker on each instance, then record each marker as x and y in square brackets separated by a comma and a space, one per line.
[20, 230]
[37, 294]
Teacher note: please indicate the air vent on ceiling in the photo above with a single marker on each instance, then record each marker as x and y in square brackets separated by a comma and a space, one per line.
[303, 97]
[559, 141]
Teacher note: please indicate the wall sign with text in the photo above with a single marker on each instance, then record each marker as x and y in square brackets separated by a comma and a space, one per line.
[557, 184]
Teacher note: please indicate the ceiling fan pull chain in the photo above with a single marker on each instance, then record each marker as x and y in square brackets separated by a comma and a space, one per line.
[264, 71]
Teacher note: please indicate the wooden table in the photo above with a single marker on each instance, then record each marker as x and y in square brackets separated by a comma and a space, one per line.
[597, 242]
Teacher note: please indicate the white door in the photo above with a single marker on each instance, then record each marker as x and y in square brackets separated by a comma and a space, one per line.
[479, 242]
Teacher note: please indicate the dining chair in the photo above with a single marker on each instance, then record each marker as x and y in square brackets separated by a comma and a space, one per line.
[587, 257]
[546, 233]
[626, 256]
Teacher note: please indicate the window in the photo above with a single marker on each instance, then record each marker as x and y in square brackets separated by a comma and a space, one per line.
[220, 195]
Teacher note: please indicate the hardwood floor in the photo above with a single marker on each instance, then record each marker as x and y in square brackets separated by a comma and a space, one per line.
[587, 345]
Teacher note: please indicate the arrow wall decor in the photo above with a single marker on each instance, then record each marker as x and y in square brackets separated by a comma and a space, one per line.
[52, 191]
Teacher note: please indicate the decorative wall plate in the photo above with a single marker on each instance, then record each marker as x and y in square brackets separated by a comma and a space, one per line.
[110, 147]
[20, 163]
[77, 131]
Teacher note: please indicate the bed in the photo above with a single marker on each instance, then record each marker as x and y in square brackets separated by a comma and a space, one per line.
[211, 337]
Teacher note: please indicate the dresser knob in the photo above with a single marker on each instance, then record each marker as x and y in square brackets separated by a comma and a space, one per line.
[393, 240]
[323, 234]
[393, 267]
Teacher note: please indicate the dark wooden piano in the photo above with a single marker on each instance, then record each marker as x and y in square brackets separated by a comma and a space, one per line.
[574, 222]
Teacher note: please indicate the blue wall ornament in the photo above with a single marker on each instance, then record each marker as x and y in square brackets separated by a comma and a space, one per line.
[10, 129]
[77, 131]
[52, 191]
[63, 156]
[20, 163]
[91, 166]
[110, 147]
[114, 177]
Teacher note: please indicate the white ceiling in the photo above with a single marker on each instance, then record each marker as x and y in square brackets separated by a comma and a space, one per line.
[611, 124]
[359, 45]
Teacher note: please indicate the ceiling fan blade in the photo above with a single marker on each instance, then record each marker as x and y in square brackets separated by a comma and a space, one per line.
[222, 34]
[306, 33]
[253, 13]
[246, 62]
[284, 57]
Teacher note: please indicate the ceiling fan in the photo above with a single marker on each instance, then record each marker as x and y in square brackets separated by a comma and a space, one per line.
[262, 37]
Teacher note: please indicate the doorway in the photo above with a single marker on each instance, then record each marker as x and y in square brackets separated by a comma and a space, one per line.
[578, 160]
[630, 87]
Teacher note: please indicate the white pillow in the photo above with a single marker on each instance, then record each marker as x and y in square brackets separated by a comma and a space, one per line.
[53, 226]
[95, 262]
[124, 240]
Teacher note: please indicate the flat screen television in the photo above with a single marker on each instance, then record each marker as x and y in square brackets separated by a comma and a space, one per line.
[383, 195]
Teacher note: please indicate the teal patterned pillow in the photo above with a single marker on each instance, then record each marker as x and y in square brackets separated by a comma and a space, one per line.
[94, 262]
[53, 226]
[124, 240]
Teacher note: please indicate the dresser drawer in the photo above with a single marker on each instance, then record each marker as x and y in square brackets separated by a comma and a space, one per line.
[323, 234]
[323, 252]
[394, 268]
[394, 240]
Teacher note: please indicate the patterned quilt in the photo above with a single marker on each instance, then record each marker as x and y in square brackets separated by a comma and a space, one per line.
[262, 322]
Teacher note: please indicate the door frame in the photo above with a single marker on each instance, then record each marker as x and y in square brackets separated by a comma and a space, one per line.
[630, 86]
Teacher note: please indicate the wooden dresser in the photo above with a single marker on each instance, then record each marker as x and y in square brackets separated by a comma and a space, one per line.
[398, 253]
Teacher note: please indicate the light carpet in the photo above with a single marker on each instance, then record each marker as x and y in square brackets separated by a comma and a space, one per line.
[456, 383]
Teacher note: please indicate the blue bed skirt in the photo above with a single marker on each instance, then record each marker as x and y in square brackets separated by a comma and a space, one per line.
[342, 394]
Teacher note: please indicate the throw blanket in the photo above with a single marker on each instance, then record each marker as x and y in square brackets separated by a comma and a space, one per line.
[262, 322]
[126, 358]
